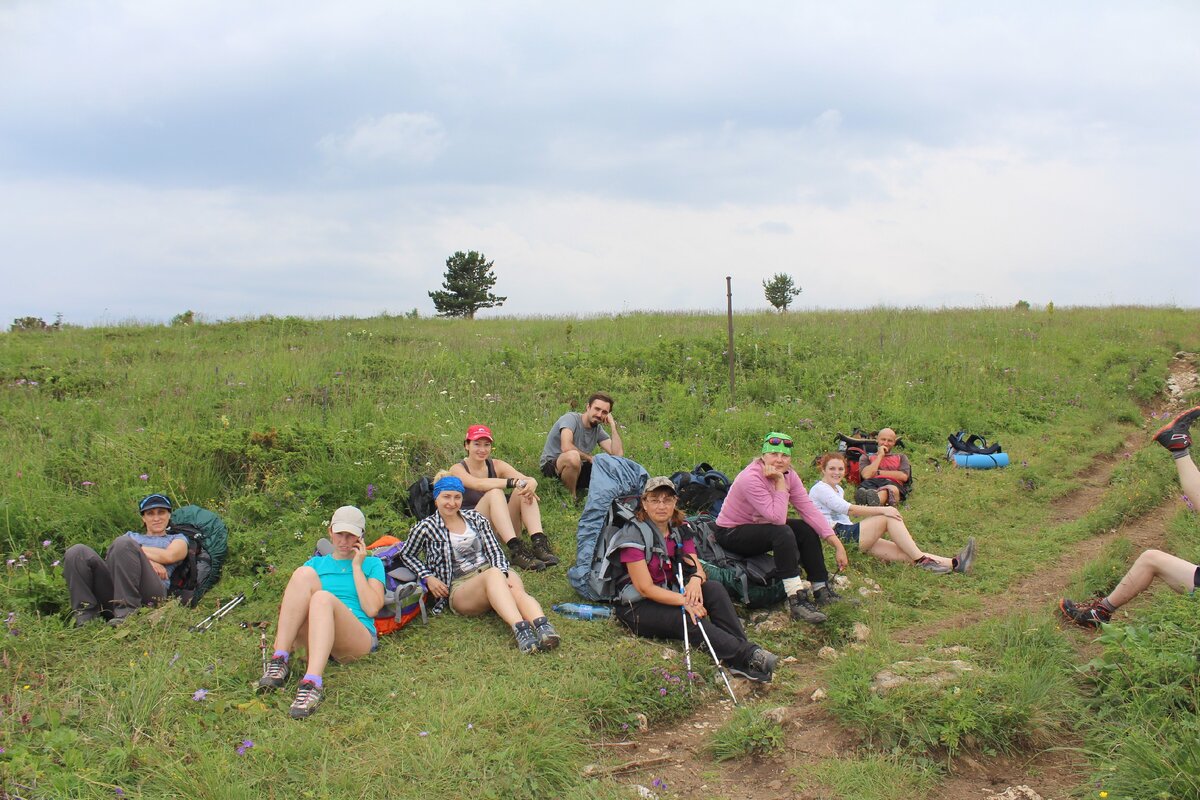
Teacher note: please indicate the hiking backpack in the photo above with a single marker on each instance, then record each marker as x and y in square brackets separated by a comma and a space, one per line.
[606, 572]
[701, 491]
[420, 499]
[403, 593]
[208, 544]
[748, 579]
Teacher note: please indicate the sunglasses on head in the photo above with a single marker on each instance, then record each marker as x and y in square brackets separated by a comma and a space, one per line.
[775, 441]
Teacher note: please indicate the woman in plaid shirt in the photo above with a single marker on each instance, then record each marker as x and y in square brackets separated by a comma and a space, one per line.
[463, 566]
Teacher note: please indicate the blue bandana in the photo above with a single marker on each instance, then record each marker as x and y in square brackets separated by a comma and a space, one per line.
[448, 484]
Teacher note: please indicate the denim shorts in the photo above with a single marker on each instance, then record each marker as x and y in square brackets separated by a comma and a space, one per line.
[847, 533]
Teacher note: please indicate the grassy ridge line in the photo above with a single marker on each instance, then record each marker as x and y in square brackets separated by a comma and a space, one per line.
[352, 406]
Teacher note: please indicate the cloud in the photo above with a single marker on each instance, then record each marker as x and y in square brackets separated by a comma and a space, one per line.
[398, 139]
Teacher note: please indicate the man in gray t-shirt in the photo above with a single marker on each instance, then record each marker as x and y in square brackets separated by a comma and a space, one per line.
[569, 445]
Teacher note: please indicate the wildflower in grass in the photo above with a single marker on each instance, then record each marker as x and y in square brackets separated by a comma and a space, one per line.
[244, 746]
[1187, 501]
[143, 477]
[11, 561]
[370, 491]
[55, 563]
[659, 783]
[199, 694]
[471, 725]
[46, 543]
[12, 617]
[119, 792]
[423, 733]
[667, 445]
[662, 692]
[87, 483]
[174, 658]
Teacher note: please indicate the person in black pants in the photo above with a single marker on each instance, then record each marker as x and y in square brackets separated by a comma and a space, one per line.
[754, 520]
[649, 606]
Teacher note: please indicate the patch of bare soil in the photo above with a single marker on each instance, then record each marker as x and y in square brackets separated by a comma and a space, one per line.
[676, 755]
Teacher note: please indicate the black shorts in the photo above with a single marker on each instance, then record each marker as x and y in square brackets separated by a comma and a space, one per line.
[585, 473]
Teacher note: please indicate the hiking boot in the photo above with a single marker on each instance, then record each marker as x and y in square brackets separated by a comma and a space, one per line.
[762, 660]
[962, 561]
[308, 697]
[527, 640]
[825, 595]
[936, 567]
[520, 555]
[800, 607]
[750, 674]
[1090, 614]
[85, 613]
[540, 546]
[276, 674]
[866, 496]
[1174, 435]
[547, 637]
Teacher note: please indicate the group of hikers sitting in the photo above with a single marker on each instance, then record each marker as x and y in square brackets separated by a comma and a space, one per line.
[662, 588]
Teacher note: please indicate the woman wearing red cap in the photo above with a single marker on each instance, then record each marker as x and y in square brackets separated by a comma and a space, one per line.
[486, 480]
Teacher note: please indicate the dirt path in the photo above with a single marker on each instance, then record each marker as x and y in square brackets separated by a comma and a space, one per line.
[688, 770]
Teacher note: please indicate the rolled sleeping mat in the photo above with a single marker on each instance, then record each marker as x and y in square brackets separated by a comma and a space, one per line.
[980, 461]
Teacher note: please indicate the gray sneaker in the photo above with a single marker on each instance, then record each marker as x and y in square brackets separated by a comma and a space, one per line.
[866, 496]
[527, 640]
[928, 564]
[762, 660]
[547, 637]
[275, 675]
[750, 674]
[962, 561]
[801, 607]
[308, 697]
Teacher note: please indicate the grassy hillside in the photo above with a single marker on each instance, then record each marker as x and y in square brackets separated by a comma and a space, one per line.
[275, 422]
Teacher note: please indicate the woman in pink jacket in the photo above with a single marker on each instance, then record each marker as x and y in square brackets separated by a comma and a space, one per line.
[754, 520]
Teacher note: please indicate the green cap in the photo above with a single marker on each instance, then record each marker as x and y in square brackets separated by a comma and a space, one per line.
[777, 443]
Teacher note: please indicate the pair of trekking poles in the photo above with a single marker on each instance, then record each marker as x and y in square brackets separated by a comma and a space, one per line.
[687, 644]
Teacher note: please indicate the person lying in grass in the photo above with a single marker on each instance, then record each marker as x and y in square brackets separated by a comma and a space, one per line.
[880, 521]
[136, 571]
[754, 520]
[485, 480]
[1180, 574]
[464, 568]
[649, 606]
[328, 609]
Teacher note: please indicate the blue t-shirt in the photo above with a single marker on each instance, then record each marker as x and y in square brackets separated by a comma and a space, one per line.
[337, 578]
[161, 542]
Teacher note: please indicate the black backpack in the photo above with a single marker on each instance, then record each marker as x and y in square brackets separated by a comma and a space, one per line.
[420, 499]
[701, 491]
[749, 579]
[971, 444]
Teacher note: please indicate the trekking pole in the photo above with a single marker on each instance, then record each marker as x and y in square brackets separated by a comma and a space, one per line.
[712, 651]
[207, 623]
[262, 646]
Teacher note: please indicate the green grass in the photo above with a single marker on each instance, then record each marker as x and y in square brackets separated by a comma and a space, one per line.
[274, 422]
[746, 733]
[872, 776]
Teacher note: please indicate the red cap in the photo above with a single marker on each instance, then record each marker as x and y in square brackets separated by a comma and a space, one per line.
[479, 432]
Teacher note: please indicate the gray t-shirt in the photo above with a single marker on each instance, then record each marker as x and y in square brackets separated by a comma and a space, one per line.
[586, 439]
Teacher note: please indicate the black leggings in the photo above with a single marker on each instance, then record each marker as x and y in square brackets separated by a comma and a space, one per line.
[793, 545]
[724, 629]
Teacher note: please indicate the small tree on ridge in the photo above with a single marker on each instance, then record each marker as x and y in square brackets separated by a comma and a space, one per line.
[780, 291]
[466, 286]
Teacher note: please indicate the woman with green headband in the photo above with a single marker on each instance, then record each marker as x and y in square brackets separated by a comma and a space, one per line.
[754, 520]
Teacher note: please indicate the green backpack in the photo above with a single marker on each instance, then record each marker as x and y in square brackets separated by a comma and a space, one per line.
[208, 543]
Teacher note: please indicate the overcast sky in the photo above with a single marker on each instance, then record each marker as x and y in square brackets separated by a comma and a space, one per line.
[323, 159]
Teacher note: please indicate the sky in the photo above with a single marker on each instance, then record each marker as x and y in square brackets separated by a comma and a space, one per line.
[324, 159]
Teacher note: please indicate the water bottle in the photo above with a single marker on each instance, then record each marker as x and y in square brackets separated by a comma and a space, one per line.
[582, 610]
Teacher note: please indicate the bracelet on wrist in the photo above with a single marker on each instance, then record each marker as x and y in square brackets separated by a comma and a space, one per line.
[510, 483]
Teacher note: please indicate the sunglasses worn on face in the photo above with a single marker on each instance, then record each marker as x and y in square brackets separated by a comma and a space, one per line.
[775, 441]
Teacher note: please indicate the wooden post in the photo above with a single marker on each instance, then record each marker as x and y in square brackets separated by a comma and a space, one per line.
[729, 315]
